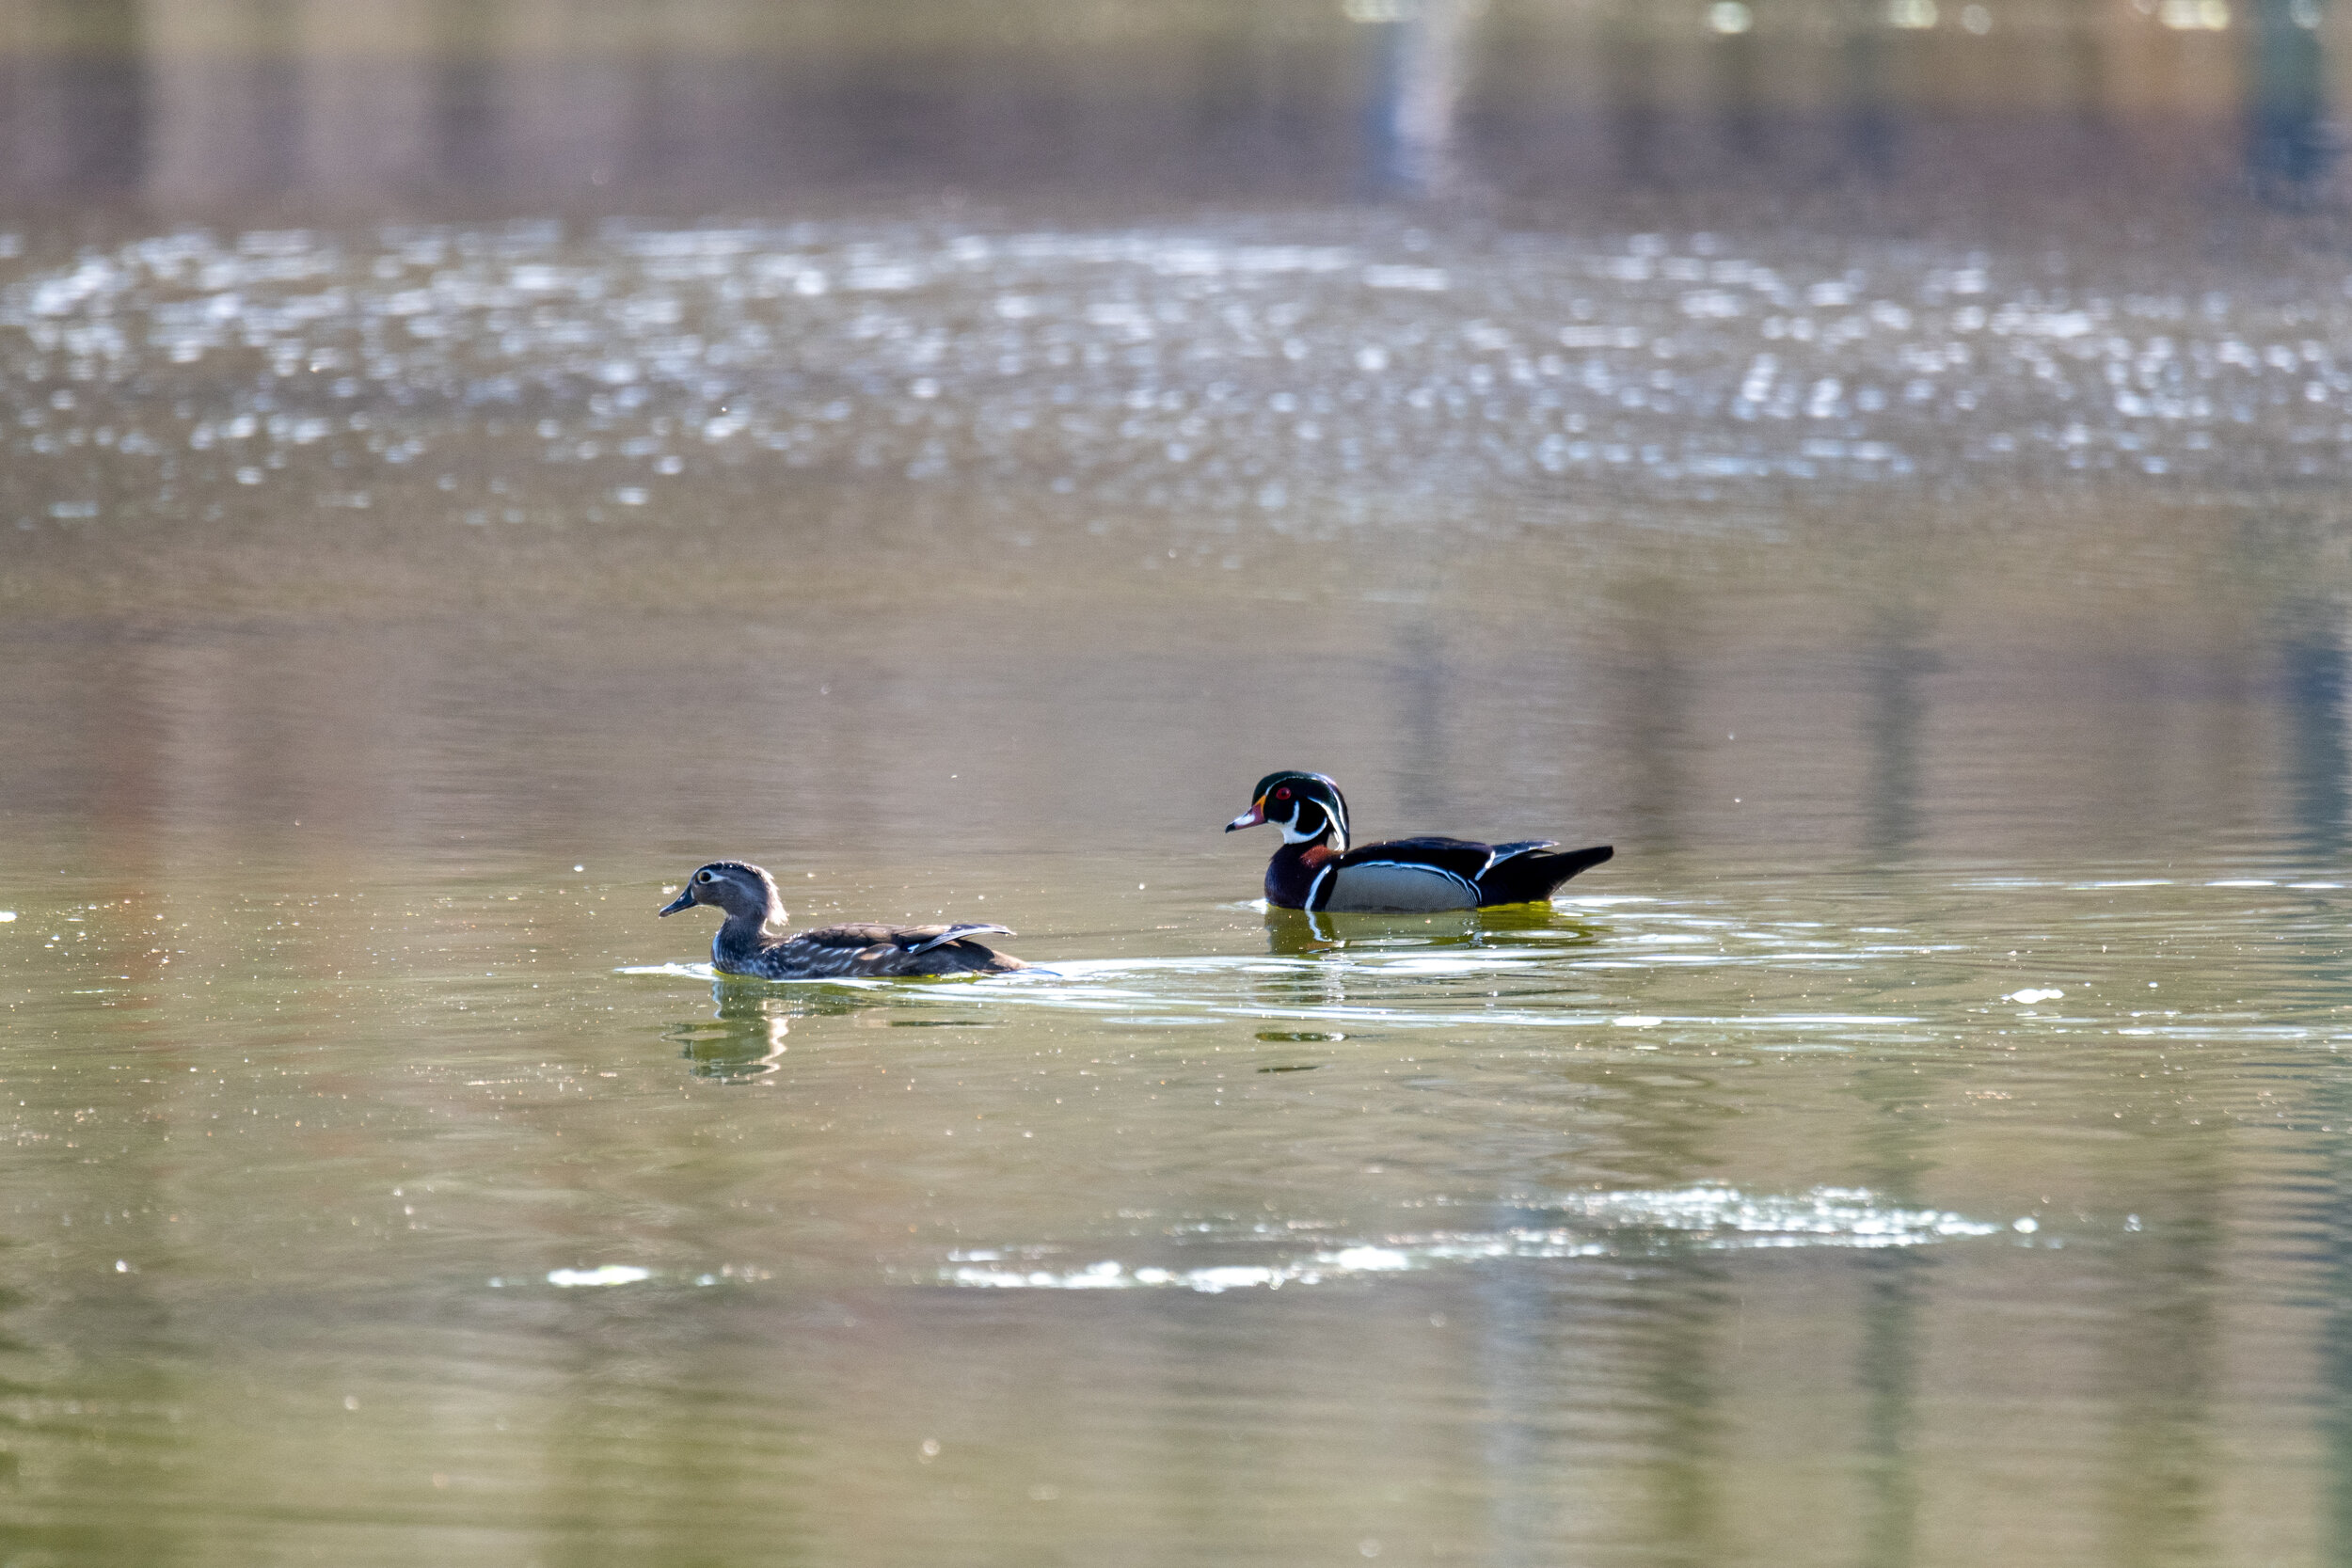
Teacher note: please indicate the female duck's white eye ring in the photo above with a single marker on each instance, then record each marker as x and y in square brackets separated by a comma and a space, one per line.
[705, 877]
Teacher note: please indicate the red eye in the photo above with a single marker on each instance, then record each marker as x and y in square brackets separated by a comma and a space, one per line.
[1283, 793]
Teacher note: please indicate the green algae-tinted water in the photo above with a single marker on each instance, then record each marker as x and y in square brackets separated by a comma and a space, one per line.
[1925, 1143]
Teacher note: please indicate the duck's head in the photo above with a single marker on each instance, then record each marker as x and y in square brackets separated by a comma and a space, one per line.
[737, 887]
[1308, 808]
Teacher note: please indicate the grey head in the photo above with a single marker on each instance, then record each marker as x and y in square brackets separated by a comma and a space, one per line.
[736, 888]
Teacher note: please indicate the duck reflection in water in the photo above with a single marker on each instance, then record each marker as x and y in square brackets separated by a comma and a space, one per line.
[1314, 933]
[1309, 988]
[744, 1038]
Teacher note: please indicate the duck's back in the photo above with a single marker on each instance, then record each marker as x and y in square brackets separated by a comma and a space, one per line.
[839, 952]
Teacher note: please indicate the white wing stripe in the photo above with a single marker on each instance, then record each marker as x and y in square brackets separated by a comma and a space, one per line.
[1510, 852]
[957, 933]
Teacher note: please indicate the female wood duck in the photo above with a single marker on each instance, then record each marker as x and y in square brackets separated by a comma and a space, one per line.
[1315, 869]
[749, 898]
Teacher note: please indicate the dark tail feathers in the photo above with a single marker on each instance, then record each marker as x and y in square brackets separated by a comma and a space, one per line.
[1529, 879]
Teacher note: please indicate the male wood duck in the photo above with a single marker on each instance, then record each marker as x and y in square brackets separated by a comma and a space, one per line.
[749, 898]
[1315, 869]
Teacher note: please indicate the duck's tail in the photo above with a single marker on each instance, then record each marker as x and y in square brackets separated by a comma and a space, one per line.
[1530, 878]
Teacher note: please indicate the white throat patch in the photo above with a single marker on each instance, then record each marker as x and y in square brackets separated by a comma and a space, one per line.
[1291, 834]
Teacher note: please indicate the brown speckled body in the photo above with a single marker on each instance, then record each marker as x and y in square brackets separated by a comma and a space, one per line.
[838, 951]
[747, 896]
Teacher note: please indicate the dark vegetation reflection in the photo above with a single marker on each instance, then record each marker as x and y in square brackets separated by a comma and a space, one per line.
[1895, 1302]
[2313, 665]
[1893, 719]
[631, 101]
[2289, 144]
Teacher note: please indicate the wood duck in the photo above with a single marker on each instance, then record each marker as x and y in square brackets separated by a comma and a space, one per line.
[1315, 869]
[749, 898]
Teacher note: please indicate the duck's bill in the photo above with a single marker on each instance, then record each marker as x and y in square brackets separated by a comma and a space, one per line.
[683, 902]
[1250, 819]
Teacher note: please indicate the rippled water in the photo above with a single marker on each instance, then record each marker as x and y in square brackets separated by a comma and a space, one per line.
[348, 1212]
[1922, 1143]
[1294, 375]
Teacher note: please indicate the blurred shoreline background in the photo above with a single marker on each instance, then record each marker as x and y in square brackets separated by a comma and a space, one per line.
[1897, 112]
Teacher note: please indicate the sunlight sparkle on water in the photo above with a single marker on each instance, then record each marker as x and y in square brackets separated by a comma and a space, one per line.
[1599, 1225]
[1229, 371]
[609, 1273]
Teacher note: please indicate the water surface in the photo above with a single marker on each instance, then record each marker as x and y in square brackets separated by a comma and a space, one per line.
[1922, 1143]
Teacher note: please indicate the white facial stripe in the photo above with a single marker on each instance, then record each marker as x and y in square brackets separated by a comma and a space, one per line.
[1334, 818]
[1293, 833]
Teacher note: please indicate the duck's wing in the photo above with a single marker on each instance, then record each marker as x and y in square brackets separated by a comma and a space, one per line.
[1414, 874]
[855, 934]
[1465, 857]
[1515, 850]
[864, 948]
[924, 937]
[829, 951]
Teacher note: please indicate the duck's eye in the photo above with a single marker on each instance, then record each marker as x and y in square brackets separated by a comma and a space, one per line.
[705, 877]
[1282, 794]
